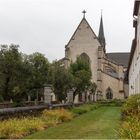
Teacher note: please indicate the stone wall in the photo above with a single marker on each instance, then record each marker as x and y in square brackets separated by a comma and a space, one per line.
[113, 83]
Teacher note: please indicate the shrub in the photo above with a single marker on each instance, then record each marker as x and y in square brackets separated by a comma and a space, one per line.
[132, 105]
[18, 128]
[59, 115]
[130, 127]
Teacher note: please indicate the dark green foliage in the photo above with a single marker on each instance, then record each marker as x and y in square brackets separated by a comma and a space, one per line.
[92, 88]
[38, 66]
[81, 74]
[61, 80]
[1, 98]
[77, 77]
[21, 74]
[12, 72]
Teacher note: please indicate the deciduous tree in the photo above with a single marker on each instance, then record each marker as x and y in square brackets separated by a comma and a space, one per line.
[81, 72]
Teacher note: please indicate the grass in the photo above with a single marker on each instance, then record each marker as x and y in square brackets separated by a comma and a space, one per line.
[100, 123]
[84, 108]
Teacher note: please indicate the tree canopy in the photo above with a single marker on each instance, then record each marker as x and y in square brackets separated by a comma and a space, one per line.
[61, 80]
[22, 75]
[81, 72]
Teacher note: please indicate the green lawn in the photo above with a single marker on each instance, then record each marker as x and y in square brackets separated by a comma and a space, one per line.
[100, 123]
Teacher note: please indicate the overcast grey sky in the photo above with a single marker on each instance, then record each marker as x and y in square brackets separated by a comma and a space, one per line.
[47, 25]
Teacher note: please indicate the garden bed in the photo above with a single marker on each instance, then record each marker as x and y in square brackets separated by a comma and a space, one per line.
[23, 126]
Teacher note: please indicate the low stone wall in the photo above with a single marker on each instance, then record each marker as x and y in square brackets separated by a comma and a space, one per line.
[27, 103]
[5, 105]
[7, 113]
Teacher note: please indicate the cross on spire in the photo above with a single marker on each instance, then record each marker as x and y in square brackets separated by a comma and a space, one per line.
[84, 12]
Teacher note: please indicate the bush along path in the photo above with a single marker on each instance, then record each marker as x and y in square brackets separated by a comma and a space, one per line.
[130, 126]
[24, 126]
[103, 122]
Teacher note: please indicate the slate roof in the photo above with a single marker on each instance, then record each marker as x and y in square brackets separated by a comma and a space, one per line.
[119, 58]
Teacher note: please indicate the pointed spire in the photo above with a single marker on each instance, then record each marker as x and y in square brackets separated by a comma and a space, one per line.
[101, 36]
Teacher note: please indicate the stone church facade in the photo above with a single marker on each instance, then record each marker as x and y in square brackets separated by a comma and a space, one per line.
[108, 69]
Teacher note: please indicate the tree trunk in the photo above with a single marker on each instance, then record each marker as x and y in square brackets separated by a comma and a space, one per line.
[6, 88]
[74, 94]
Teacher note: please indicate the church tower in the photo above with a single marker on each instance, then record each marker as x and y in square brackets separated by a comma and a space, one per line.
[101, 55]
[101, 36]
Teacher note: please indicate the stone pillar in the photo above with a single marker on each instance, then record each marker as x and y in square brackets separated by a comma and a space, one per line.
[87, 96]
[83, 97]
[29, 98]
[11, 101]
[36, 102]
[47, 94]
[96, 96]
[91, 97]
[76, 100]
[41, 99]
[70, 96]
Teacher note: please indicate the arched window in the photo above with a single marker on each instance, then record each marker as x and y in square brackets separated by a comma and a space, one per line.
[109, 94]
[85, 57]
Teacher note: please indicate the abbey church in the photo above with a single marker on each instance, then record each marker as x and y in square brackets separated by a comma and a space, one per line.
[108, 69]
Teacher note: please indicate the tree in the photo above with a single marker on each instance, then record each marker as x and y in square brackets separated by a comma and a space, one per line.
[92, 88]
[11, 72]
[82, 75]
[39, 66]
[61, 81]
[21, 74]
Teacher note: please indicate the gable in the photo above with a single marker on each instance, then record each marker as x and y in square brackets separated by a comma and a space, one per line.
[85, 31]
